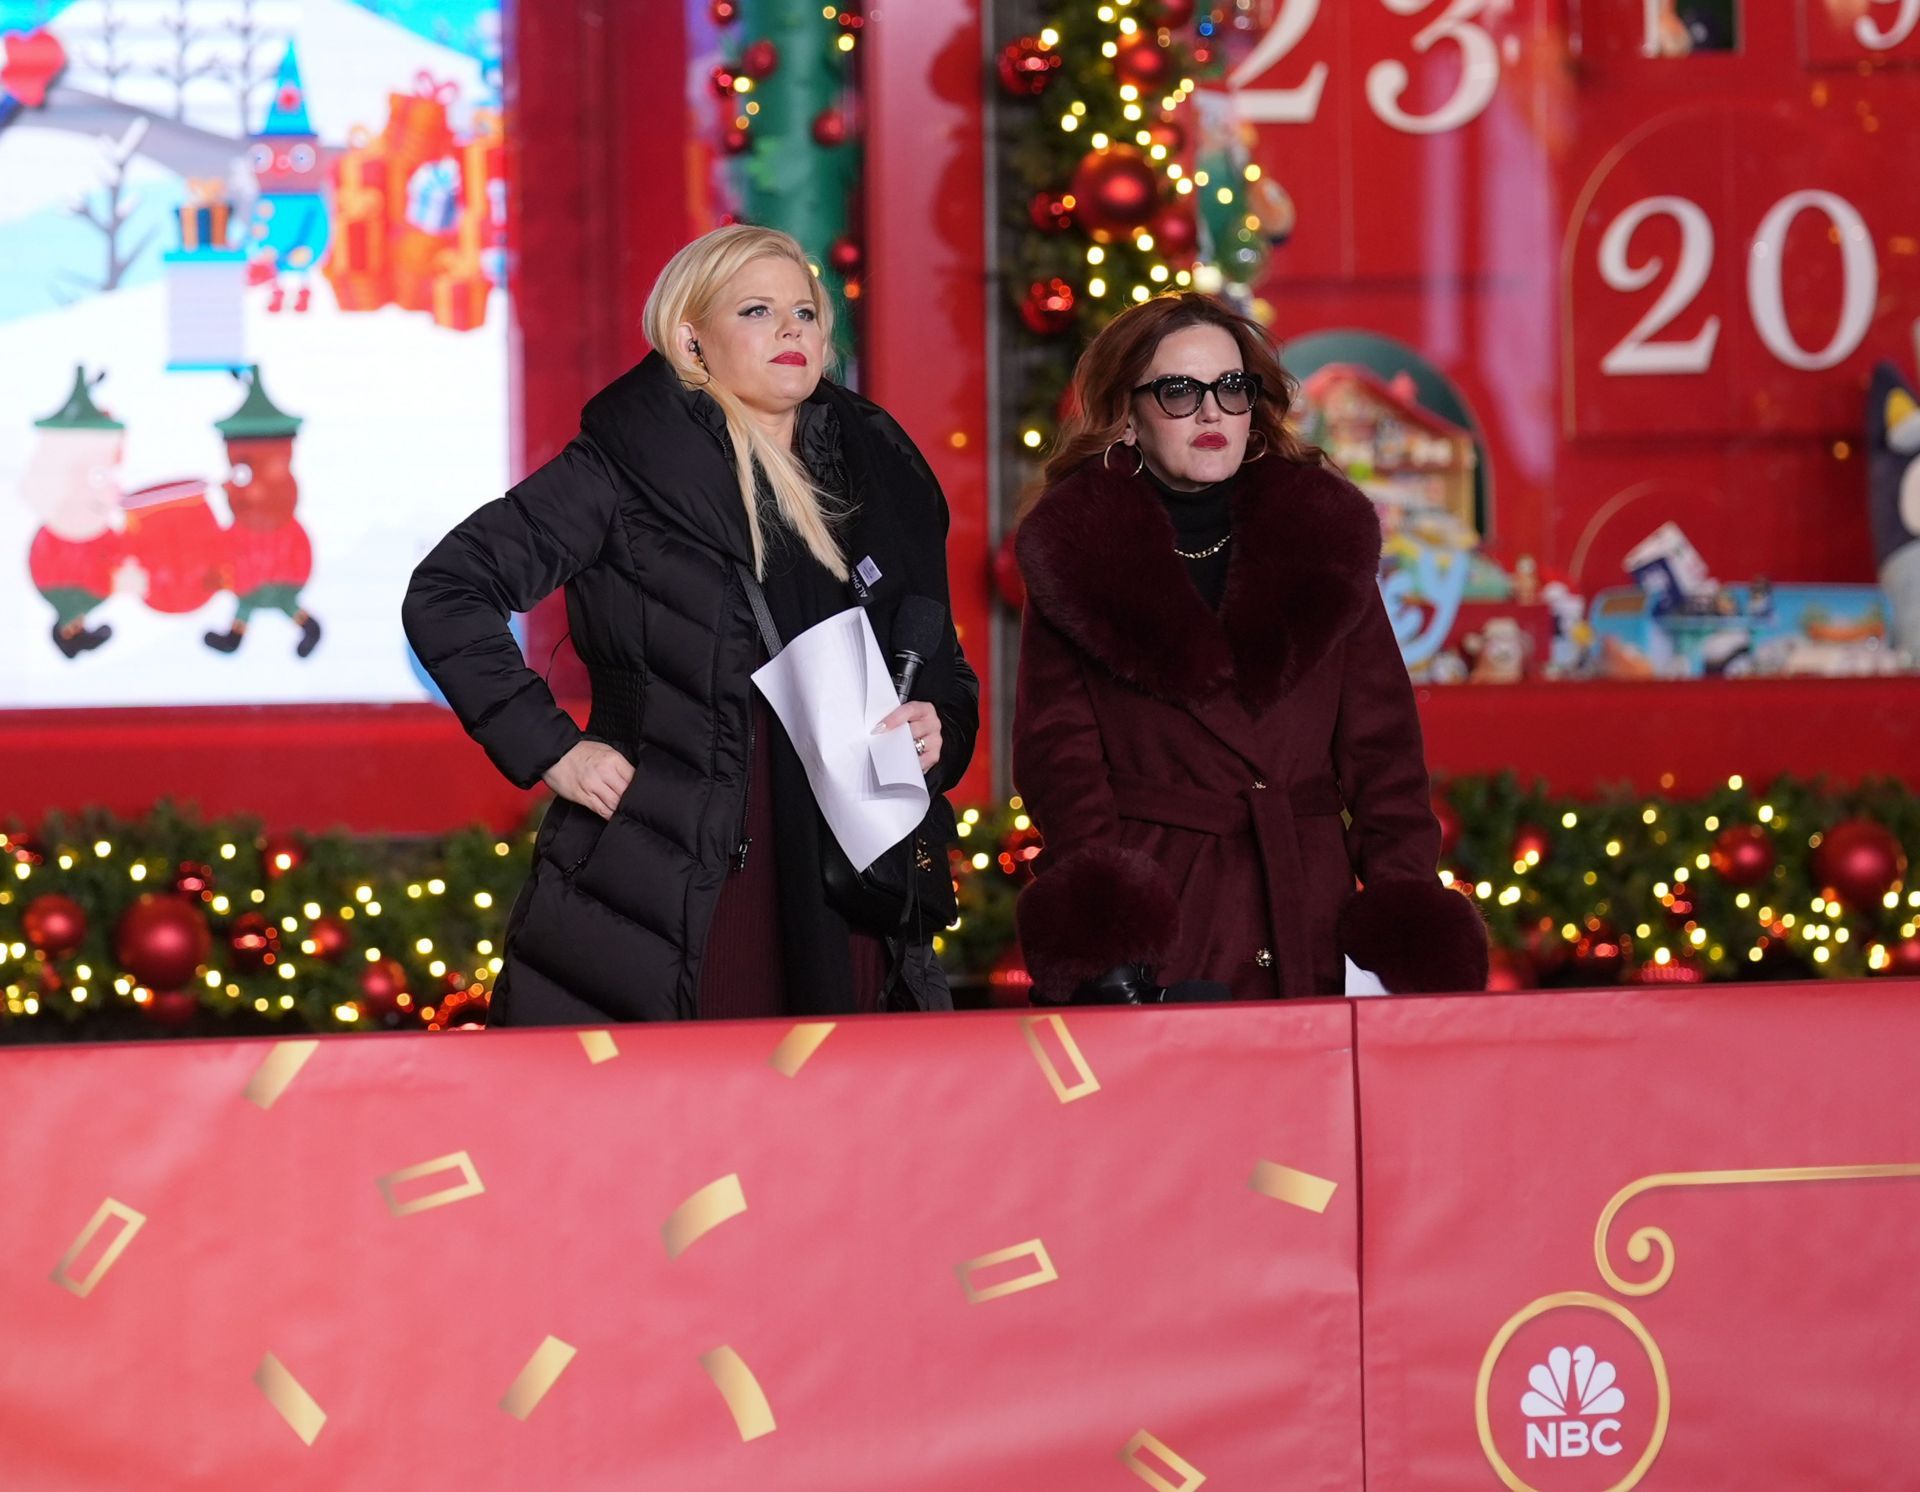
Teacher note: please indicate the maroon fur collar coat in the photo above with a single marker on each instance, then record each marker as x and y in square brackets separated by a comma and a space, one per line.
[1209, 787]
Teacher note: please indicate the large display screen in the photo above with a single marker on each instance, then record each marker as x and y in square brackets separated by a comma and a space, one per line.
[253, 339]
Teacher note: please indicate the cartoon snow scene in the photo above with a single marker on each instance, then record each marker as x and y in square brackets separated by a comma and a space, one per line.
[271, 235]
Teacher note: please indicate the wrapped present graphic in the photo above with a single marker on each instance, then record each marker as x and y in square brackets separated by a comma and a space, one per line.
[418, 259]
[363, 165]
[417, 128]
[460, 297]
[360, 231]
[358, 290]
[433, 196]
[204, 216]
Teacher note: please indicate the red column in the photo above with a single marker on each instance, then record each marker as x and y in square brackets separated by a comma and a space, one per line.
[926, 348]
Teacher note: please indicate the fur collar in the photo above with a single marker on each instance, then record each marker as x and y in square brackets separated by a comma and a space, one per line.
[1097, 556]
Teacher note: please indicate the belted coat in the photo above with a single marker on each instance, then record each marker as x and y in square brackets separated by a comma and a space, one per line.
[1213, 788]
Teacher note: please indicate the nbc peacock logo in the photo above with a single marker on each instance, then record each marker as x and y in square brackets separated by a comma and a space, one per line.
[1572, 1397]
[1571, 1405]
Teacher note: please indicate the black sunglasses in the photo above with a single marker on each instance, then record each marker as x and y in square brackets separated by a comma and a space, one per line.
[1179, 396]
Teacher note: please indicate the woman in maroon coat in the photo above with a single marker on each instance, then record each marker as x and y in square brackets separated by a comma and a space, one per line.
[1214, 729]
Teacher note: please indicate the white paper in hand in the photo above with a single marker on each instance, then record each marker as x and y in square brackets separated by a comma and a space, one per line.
[1361, 982]
[830, 688]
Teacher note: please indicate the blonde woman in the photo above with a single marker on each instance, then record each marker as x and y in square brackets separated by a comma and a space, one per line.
[683, 868]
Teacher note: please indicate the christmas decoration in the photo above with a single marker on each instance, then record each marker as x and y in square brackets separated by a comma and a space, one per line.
[1009, 983]
[1048, 308]
[254, 942]
[54, 924]
[1171, 14]
[1743, 855]
[1050, 212]
[724, 12]
[736, 140]
[190, 878]
[383, 983]
[280, 853]
[1243, 256]
[1858, 862]
[1026, 67]
[1143, 62]
[162, 940]
[1599, 953]
[1510, 969]
[1115, 190]
[846, 257]
[830, 127]
[327, 939]
[1531, 845]
[1903, 959]
[172, 1008]
[1175, 235]
[760, 59]
[1449, 820]
[721, 79]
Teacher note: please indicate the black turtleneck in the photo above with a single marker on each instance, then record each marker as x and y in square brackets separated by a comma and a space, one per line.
[1201, 520]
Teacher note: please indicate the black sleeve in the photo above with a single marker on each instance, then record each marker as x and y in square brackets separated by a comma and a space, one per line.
[507, 557]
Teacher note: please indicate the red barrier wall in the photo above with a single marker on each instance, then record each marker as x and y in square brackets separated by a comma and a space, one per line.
[289, 1308]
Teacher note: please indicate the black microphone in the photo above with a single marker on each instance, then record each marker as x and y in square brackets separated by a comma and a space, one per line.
[916, 636]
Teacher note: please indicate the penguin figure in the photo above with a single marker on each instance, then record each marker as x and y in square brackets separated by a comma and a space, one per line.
[1893, 498]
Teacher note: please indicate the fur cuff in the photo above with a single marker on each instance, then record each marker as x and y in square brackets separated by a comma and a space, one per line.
[1417, 937]
[1095, 908]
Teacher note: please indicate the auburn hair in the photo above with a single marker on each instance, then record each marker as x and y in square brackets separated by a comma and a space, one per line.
[689, 290]
[1116, 363]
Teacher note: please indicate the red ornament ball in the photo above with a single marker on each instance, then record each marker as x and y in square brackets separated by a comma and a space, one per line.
[735, 140]
[382, 983]
[1169, 13]
[1175, 238]
[1449, 820]
[1510, 969]
[1050, 212]
[1169, 134]
[1025, 67]
[162, 940]
[830, 127]
[191, 878]
[1904, 959]
[1048, 308]
[1858, 862]
[1143, 62]
[850, 17]
[845, 256]
[760, 59]
[1008, 583]
[724, 12]
[280, 853]
[1115, 190]
[1532, 845]
[1743, 856]
[722, 80]
[172, 1008]
[253, 942]
[54, 924]
[330, 939]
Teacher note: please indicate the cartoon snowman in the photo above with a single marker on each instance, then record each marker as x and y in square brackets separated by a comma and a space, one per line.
[289, 230]
[71, 482]
[267, 554]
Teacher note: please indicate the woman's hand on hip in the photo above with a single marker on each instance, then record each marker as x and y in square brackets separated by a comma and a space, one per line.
[591, 774]
[924, 721]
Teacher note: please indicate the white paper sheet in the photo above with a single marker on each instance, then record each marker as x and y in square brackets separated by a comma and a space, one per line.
[830, 688]
[1361, 982]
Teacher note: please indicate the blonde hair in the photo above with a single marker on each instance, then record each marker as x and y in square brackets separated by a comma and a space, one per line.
[689, 290]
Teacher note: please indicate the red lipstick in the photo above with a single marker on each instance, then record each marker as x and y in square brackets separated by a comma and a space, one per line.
[792, 359]
[1211, 441]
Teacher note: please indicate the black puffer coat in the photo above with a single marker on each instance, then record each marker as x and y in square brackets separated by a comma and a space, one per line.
[640, 518]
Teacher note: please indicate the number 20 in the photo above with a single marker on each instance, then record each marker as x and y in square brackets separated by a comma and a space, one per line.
[1386, 81]
[1638, 354]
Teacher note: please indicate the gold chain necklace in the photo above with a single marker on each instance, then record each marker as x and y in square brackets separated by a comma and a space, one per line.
[1208, 553]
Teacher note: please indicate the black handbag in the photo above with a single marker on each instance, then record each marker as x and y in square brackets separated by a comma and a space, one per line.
[908, 890]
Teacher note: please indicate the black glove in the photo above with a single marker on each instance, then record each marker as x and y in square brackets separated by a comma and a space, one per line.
[1123, 984]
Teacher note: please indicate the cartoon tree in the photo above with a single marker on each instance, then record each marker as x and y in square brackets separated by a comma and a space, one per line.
[181, 68]
[117, 203]
[255, 62]
[109, 59]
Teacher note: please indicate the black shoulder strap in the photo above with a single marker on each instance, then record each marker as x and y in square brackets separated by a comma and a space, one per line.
[757, 599]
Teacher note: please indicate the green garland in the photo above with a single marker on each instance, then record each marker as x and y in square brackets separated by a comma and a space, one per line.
[1575, 892]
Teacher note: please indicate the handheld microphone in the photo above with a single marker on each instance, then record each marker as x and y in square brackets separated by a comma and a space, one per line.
[916, 636]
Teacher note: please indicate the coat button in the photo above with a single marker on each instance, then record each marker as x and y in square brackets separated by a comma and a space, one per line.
[1264, 958]
[1259, 783]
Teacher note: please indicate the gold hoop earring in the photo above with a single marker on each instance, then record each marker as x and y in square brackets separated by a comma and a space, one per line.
[1139, 458]
[1264, 447]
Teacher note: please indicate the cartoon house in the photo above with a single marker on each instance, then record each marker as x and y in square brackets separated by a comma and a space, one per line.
[1409, 460]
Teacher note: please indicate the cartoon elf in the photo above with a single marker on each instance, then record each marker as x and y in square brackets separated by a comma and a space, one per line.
[268, 557]
[71, 482]
[290, 228]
